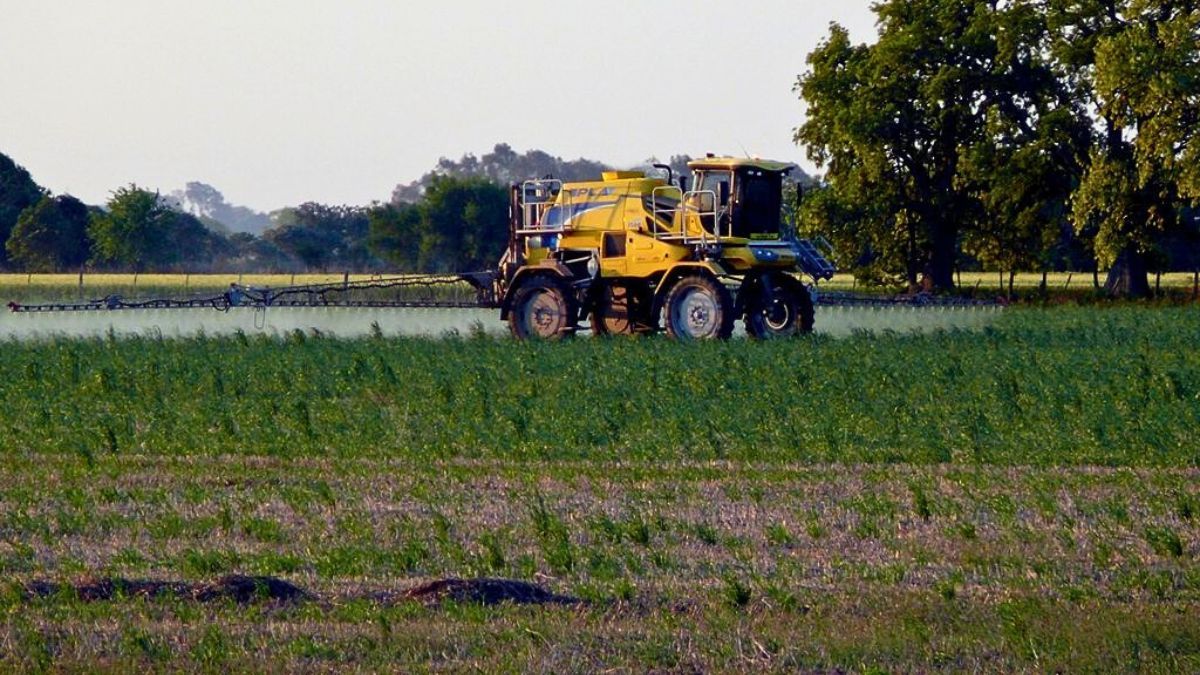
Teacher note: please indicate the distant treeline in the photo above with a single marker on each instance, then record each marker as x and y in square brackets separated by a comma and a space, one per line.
[453, 218]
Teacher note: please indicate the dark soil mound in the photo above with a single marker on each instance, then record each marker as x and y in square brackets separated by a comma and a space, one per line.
[241, 589]
[107, 589]
[485, 592]
[247, 589]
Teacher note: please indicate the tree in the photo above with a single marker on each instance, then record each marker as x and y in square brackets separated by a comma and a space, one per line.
[464, 224]
[1136, 62]
[195, 244]
[914, 129]
[17, 193]
[1028, 160]
[501, 166]
[51, 235]
[135, 230]
[209, 205]
[321, 236]
[251, 252]
[459, 224]
[394, 234]
[886, 121]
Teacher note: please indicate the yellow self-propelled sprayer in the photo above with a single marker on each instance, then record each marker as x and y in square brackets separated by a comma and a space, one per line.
[634, 253]
[628, 253]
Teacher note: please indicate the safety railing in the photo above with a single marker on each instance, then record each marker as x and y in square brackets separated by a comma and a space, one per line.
[538, 197]
[687, 218]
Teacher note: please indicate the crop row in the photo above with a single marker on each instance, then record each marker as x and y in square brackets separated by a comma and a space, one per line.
[1067, 387]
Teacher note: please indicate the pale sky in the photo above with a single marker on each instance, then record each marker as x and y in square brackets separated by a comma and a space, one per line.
[276, 103]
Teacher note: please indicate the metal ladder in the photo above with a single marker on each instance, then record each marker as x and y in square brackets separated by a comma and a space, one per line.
[812, 261]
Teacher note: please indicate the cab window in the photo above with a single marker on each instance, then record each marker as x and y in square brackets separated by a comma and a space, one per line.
[710, 181]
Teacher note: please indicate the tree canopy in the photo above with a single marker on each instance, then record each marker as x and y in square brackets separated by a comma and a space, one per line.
[322, 236]
[950, 131]
[1004, 132]
[51, 235]
[139, 230]
[501, 166]
[460, 224]
[17, 193]
[1137, 62]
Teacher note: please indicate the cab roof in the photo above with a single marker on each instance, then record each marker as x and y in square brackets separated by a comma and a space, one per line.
[712, 162]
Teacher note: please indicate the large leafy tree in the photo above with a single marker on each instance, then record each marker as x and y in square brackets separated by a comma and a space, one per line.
[51, 235]
[465, 224]
[919, 132]
[17, 193]
[1137, 64]
[135, 231]
[1027, 162]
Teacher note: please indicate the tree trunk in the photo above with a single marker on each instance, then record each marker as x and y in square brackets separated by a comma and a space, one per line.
[943, 258]
[1128, 277]
[910, 271]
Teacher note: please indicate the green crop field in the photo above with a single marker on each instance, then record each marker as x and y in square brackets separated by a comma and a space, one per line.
[1023, 497]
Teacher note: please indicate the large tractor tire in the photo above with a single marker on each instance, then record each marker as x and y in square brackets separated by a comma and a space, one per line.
[621, 310]
[698, 307]
[543, 308]
[786, 311]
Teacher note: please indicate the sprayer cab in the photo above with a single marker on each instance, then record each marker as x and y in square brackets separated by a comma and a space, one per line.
[749, 193]
[633, 252]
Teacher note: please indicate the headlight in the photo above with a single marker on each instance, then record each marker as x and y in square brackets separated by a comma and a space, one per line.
[593, 266]
[764, 254]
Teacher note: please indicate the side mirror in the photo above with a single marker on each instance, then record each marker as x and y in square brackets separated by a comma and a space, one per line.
[683, 185]
[723, 192]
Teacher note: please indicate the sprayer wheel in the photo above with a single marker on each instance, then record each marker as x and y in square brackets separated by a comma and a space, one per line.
[621, 310]
[544, 309]
[789, 312]
[698, 307]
